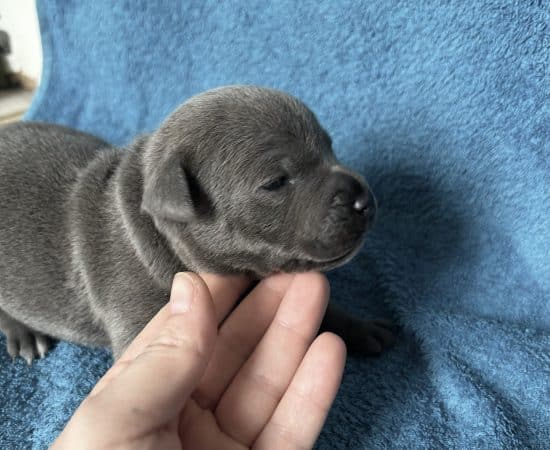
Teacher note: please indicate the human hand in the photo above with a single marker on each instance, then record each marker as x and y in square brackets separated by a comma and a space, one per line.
[261, 381]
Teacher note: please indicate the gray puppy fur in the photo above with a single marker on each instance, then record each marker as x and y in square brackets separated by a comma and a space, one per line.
[239, 179]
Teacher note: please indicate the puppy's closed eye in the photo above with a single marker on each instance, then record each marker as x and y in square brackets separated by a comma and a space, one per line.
[277, 183]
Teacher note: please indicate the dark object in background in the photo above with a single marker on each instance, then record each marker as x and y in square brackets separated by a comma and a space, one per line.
[8, 79]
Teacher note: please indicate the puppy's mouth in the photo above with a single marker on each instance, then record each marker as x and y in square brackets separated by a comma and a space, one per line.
[306, 264]
[336, 259]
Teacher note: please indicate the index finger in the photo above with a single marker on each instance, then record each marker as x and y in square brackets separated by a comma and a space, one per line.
[225, 291]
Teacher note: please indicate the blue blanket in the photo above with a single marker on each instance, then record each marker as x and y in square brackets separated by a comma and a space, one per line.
[444, 106]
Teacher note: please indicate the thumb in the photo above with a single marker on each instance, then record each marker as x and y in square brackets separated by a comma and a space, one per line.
[161, 378]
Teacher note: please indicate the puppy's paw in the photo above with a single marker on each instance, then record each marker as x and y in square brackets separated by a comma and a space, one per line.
[368, 337]
[362, 337]
[373, 337]
[28, 344]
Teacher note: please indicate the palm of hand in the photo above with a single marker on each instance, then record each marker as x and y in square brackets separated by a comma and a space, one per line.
[265, 382]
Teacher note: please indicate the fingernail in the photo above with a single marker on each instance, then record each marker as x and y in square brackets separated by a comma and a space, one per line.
[183, 292]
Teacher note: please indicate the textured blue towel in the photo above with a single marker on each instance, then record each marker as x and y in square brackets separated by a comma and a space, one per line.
[444, 106]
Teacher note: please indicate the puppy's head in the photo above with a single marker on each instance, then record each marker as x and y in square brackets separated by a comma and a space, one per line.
[244, 179]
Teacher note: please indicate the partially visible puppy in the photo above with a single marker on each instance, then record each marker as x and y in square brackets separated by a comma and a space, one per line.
[238, 180]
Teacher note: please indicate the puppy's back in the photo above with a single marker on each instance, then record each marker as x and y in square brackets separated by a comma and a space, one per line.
[39, 163]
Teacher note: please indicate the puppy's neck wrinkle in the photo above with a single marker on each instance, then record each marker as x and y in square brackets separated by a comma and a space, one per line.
[150, 246]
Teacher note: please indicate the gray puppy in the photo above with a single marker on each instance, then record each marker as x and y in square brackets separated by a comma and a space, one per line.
[237, 180]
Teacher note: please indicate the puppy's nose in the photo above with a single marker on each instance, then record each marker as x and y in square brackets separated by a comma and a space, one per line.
[354, 193]
[362, 201]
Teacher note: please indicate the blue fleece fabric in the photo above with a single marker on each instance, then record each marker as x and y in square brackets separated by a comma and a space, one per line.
[444, 106]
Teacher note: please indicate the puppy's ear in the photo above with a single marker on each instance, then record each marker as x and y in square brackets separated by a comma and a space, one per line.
[168, 193]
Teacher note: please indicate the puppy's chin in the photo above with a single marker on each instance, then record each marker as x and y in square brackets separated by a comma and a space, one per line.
[307, 263]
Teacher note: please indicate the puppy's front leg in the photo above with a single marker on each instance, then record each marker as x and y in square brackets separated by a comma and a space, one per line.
[123, 336]
[127, 325]
[362, 337]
